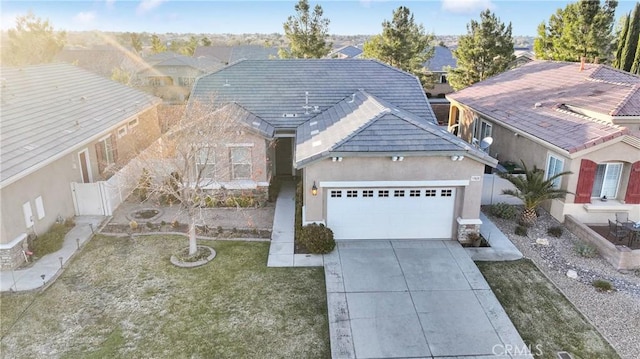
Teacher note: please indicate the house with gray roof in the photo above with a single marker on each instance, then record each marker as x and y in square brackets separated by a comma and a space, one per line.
[439, 66]
[61, 125]
[563, 116]
[345, 52]
[171, 76]
[228, 54]
[362, 137]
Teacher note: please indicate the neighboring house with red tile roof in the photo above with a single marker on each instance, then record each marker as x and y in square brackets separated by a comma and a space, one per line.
[563, 116]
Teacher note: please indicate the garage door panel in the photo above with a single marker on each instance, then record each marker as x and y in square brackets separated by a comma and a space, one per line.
[391, 213]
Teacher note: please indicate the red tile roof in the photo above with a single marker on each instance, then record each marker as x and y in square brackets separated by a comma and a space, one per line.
[553, 101]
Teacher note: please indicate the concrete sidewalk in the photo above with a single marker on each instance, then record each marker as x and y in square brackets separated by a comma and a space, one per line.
[51, 264]
[501, 248]
[281, 252]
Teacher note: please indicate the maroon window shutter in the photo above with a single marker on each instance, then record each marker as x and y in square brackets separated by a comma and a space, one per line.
[585, 181]
[100, 156]
[633, 188]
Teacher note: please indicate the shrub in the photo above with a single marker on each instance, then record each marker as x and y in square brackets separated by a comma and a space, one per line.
[149, 225]
[503, 210]
[209, 202]
[602, 285]
[144, 185]
[521, 231]
[51, 241]
[133, 225]
[555, 231]
[175, 224]
[585, 250]
[317, 238]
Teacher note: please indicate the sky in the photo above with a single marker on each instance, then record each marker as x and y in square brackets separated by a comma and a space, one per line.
[364, 17]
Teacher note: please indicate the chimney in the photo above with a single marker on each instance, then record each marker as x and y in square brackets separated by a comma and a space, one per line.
[582, 60]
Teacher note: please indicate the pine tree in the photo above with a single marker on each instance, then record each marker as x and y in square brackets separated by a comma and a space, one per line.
[486, 50]
[156, 45]
[205, 41]
[581, 29]
[33, 41]
[136, 42]
[402, 44]
[622, 38]
[635, 68]
[631, 42]
[307, 33]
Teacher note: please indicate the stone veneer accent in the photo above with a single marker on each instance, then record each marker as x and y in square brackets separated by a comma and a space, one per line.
[620, 257]
[11, 255]
[467, 226]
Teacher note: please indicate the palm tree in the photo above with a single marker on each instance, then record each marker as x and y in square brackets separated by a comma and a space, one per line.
[533, 189]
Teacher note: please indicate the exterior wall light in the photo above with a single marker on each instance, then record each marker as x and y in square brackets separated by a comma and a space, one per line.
[397, 158]
[314, 189]
[457, 158]
[336, 159]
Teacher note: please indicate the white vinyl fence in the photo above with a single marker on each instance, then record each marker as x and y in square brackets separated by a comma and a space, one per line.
[492, 187]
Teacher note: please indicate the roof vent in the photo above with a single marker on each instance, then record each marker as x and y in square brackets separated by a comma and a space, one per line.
[289, 115]
[537, 104]
[30, 147]
[314, 132]
[83, 98]
[316, 109]
[313, 123]
[69, 131]
[256, 123]
[353, 98]
[226, 83]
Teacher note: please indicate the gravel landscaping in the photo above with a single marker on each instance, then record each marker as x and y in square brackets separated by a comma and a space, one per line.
[616, 314]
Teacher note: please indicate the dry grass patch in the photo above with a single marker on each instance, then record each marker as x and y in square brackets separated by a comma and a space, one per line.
[543, 316]
[122, 298]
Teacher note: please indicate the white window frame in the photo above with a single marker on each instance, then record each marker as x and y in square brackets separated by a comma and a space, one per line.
[482, 129]
[122, 131]
[133, 123]
[233, 164]
[108, 151]
[552, 170]
[209, 162]
[444, 79]
[607, 169]
[28, 214]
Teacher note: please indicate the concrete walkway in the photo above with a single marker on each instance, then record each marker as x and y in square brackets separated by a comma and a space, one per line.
[281, 252]
[501, 248]
[51, 264]
[426, 299]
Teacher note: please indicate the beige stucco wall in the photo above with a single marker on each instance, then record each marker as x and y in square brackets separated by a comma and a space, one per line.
[383, 169]
[52, 183]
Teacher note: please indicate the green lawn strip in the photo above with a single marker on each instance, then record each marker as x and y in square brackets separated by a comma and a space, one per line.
[123, 298]
[545, 319]
[12, 305]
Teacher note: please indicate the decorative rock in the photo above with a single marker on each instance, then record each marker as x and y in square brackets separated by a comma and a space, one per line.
[572, 274]
[542, 241]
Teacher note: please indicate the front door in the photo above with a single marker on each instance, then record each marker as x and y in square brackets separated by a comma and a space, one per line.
[83, 157]
[284, 156]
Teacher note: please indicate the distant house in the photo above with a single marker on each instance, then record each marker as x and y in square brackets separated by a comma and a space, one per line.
[345, 52]
[172, 75]
[523, 55]
[101, 60]
[563, 116]
[363, 138]
[61, 125]
[439, 66]
[228, 54]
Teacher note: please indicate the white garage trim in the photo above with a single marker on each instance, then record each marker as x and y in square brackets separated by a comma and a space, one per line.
[346, 184]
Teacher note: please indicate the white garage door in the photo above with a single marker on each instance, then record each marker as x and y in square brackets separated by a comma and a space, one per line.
[391, 213]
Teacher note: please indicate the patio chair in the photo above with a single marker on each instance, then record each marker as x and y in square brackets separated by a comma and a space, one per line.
[622, 217]
[617, 231]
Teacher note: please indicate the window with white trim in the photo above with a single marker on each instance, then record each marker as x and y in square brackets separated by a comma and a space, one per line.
[133, 123]
[607, 180]
[106, 152]
[240, 162]
[122, 131]
[554, 166]
[205, 161]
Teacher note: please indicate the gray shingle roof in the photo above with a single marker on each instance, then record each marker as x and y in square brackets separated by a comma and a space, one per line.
[363, 123]
[230, 54]
[286, 93]
[250, 120]
[442, 57]
[551, 101]
[348, 52]
[50, 110]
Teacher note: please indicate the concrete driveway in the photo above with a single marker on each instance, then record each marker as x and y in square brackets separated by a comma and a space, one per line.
[413, 299]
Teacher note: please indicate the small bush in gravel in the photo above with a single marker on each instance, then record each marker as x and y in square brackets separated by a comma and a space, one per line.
[585, 250]
[602, 285]
[521, 231]
[555, 231]
[503, 210]
[317, 239]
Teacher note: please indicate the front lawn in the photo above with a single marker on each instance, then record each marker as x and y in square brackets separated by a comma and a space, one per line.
[122, 298]
[545, 319]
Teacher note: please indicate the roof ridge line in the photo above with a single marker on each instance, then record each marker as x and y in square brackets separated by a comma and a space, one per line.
[625, 100]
